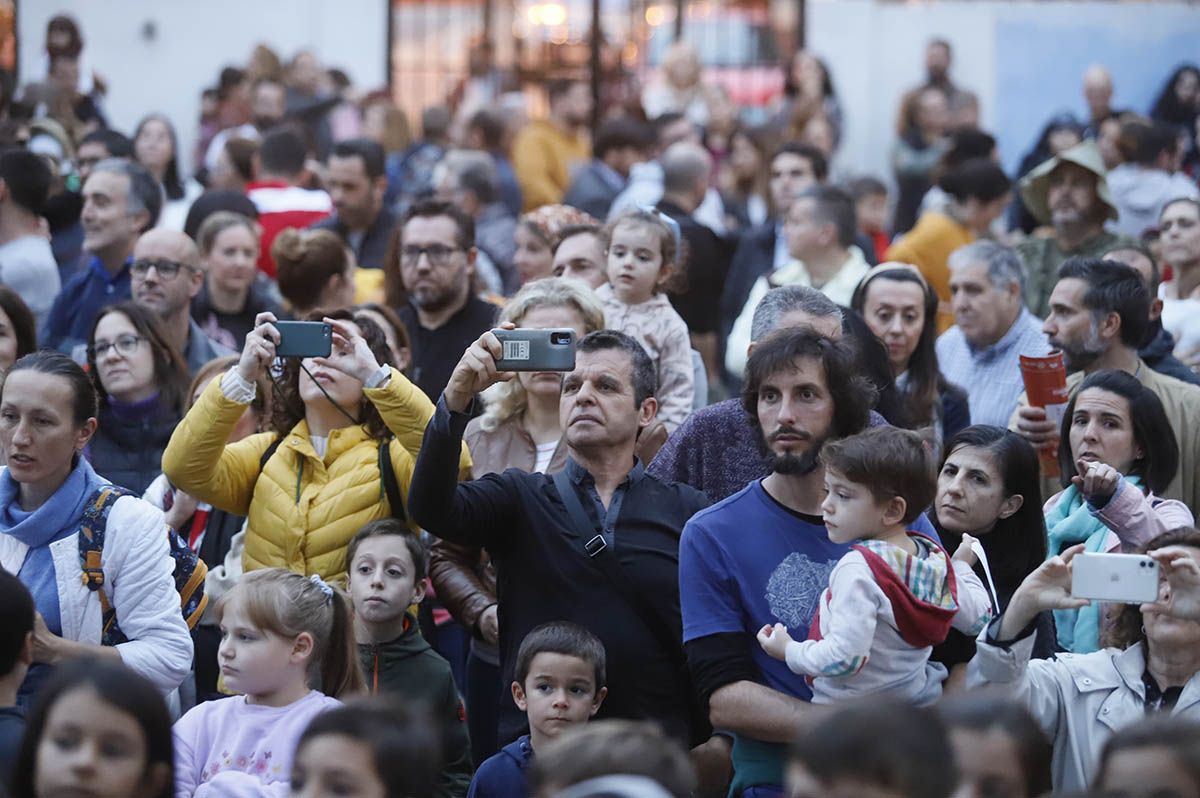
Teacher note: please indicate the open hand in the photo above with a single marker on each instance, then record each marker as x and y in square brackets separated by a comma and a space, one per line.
[774, 640]
[1096, 481]
[1179, 592]
[351, 354]
[476, 371]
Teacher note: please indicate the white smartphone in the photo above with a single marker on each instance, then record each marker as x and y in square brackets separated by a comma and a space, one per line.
[1125, 578]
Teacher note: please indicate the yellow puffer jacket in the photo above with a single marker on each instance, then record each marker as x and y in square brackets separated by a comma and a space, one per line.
[303, 509]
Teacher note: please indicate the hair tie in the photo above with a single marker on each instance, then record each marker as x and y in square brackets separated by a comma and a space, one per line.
[322, 585]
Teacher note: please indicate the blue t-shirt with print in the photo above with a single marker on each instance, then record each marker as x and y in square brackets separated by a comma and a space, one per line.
[749, 561]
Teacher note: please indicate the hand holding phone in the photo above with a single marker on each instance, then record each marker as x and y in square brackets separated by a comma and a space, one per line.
[304, 339]
[259, 348]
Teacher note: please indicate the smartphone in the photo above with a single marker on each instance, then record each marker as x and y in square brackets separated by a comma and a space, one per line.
[1125, 578]
[537, 350]
[304, 339]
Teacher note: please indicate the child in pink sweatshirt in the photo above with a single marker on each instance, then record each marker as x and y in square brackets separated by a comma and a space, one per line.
[896, 593]
[280, 632]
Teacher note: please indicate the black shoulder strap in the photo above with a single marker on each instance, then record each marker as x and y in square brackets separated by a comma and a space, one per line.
[390, 486]
[669, 640]
[262, 461]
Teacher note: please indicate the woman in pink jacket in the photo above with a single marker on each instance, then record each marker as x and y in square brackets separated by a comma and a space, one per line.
[1116, 450]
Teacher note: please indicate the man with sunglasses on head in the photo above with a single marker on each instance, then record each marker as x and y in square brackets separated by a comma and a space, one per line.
[120, 201]
[167, 274]
[442, 314]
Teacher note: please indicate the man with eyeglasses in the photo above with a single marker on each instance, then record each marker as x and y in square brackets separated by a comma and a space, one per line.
[121, 200]
[443, 316]
[166, 276]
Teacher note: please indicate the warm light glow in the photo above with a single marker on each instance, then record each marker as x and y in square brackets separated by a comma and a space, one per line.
[548, 14]
[655, 16]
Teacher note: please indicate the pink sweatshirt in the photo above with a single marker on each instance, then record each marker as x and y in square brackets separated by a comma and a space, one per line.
[230, 735]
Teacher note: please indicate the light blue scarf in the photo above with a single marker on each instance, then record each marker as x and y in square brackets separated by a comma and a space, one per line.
[1068, 523]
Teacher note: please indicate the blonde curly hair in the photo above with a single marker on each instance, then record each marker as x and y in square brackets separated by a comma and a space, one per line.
[507, 400]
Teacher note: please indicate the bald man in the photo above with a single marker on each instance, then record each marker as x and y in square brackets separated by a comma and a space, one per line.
[687, 172]
[1098, 92]
[166, 275]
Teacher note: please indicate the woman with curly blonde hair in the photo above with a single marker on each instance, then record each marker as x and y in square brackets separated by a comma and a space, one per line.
[519, 428]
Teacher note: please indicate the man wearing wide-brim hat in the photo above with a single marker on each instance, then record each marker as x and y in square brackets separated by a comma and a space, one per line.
[1068, 192]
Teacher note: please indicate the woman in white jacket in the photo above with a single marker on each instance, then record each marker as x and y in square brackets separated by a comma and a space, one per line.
[47, 414]
[1080, 700]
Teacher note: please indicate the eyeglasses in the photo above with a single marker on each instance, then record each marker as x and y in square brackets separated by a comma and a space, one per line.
[167, 269]
[125, 345]
[439, 254]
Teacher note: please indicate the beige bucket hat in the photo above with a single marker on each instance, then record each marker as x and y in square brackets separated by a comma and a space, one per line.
[1036, 185]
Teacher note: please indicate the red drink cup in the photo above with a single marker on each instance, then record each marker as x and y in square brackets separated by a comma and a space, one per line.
[1046, 387]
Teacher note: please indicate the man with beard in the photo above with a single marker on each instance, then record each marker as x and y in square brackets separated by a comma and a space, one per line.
[763, 555]
[442, 315]
[1070, 193]
[546, 152]
[356, 183]
[1099, 314]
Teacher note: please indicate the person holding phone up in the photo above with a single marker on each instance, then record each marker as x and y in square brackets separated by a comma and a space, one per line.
[1080, 700]
[1116, 451]
[308, 485]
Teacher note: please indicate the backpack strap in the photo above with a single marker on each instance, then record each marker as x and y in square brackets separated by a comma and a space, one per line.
[91, 553]
[274, 447]
[391, 487]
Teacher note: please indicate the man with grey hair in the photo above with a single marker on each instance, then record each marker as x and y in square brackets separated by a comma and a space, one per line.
[121, 200]
[687, 171]
[992, 329]
[468, 179]
[716, 451]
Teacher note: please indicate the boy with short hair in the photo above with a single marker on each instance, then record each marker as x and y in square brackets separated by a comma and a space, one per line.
[896, 593]
[387, 566]
[559, 683]
[16, 655]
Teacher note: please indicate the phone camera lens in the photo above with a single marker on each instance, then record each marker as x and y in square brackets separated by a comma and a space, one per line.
[560, 339]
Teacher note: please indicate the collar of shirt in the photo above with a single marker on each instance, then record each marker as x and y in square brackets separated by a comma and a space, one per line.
[782, 256]
[609, 175]
[97, 267]
[582, 477]
[1157, 699]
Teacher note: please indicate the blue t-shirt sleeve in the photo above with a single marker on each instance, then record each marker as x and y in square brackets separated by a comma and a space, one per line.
[707, 590]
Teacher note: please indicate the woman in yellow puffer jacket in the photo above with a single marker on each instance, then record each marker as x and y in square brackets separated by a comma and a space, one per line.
[323, 482]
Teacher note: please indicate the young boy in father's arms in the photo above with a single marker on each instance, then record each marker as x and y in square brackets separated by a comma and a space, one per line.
[16, 655]
[559, 683]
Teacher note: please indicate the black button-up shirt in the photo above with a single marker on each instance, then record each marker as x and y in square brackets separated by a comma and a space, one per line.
[545, 574]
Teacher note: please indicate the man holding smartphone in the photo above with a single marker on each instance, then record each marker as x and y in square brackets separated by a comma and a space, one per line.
[611, 567]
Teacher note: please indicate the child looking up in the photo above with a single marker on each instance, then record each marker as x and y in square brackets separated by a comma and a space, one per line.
[896, 593]
[387, 565]
[280, 634]
[559, 683]
[642, 252]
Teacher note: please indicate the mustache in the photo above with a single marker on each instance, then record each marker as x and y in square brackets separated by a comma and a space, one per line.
[781, 431]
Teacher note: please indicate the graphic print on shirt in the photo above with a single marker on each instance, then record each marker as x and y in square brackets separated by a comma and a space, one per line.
[794, 589]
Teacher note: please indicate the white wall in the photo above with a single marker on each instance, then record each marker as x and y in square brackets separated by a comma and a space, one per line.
[195, 39]
[1025, 60]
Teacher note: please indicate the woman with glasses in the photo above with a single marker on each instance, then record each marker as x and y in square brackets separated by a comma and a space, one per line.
[141, 381]
[339, 425]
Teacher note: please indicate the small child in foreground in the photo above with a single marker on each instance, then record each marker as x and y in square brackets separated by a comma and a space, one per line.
[559, 684]
[387, 569]
[896, 594]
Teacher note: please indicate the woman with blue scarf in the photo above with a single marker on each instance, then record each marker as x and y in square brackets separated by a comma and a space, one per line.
[1116, 450]
[47, 416]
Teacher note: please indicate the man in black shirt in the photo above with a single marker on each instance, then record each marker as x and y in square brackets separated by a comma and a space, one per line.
[443, 315]
[615, 570]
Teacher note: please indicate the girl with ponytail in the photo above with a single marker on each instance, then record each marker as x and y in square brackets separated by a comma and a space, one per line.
[287, 646]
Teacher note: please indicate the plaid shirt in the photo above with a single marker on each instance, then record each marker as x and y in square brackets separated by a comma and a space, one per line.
[992, 376]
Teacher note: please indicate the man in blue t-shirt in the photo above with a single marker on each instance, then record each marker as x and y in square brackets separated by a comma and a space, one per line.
[763, 555]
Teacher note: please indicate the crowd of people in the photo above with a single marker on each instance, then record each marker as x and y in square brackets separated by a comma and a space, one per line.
[790, 524]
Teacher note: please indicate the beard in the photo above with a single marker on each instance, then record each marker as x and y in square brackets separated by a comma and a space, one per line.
[1077, 357]
[792, 464]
